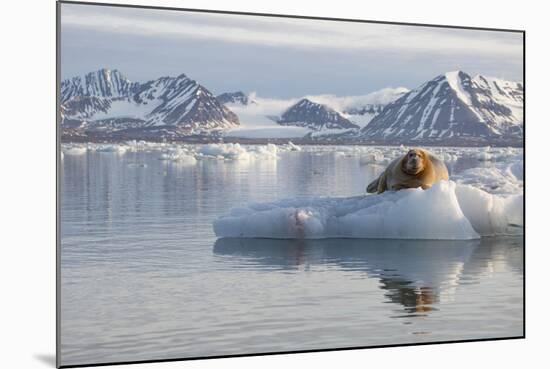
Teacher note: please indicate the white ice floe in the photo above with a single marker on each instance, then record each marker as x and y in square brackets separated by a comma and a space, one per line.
[491, 214]
[373, 158]
[236, 151]
[77, 150]
[292, 147]
[494, 154]
[408, 214]
[185, 159]
[502, 178]
[112, 148]
[179, 155]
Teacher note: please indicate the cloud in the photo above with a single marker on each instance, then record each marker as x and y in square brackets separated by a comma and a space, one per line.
[264, 106]
[293, 33]
[342, 103]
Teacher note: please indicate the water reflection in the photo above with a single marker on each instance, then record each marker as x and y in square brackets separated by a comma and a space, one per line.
[416, 274]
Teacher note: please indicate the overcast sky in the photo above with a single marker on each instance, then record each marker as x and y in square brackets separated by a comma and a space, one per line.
[276, 57]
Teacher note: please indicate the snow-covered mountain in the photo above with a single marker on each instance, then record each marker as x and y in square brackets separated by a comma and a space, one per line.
[306, 113]
[237, 97]
[106, 103]
[102, 83]
[452, 108]
[360, 109]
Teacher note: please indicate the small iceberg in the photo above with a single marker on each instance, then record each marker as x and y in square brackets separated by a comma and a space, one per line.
[373, 158]
[180, 156]
[114, 148]
[446, 211]
[236, 151]
[76, 150]
[292, 147]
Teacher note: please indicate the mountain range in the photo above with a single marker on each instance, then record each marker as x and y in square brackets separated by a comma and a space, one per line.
[105, 104]
[451, 109]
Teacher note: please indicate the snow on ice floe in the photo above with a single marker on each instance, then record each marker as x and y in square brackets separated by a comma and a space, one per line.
[502, 178]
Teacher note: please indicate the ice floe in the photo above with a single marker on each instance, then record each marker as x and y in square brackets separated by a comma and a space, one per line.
[76, 150]
[408, 214]
[373, 158]
[236, 151]
[292, 147]
[502, 178]
[490, 214]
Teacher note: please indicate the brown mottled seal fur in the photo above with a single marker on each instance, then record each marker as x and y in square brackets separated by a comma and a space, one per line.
[417, 168]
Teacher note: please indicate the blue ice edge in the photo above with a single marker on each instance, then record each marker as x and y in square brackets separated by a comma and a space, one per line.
[447, 211]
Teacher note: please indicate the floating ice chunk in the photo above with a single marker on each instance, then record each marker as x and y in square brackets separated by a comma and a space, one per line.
[372, 158]
[229, 151]
[236, 151]
[118, 149]
[268, 151]
[179, 155]
[136, 146]
[77, 150]
[406, 214]
[489, 214]
[495, 154]
[484, 156]
[448, 157]
[293, 147]
[184, 159]
[502, 178]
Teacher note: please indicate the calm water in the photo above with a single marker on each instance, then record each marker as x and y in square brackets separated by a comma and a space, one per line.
[143, 276]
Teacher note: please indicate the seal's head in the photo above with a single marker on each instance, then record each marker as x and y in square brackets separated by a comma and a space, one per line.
[414, 162]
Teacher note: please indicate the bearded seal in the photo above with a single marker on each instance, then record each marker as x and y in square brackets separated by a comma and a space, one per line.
[417, 168]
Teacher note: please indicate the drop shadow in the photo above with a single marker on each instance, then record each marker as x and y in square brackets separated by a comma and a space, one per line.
[48, 359]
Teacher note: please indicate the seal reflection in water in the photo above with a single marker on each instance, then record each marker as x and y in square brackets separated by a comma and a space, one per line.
[417, 168]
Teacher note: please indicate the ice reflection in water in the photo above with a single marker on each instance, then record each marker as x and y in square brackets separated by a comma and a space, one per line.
[415, 274]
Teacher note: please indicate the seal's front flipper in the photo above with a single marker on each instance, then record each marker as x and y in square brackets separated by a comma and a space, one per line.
[373, 186]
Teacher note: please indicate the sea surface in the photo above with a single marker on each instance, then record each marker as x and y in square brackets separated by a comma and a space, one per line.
[143, 276]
